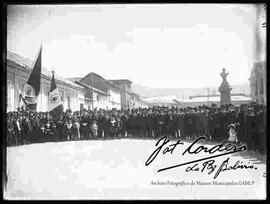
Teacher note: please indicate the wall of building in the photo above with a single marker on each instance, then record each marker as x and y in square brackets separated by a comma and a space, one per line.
[123, 96]
[258, 71]
[17, 78]
[258, 83]
[10, 92]
[115, 98]
[136, 101]
[101, 101]
[128, 98]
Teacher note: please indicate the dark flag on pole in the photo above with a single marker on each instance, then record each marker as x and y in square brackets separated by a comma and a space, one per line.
[55, 103]
[32, 87]
[34, 79]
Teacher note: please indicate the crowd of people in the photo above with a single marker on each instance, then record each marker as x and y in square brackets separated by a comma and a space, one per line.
[215, 123]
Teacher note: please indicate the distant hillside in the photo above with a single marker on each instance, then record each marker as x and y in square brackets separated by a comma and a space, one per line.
[183, 93]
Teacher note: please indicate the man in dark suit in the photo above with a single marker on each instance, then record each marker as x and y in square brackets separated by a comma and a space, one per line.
[251, 134]
[142, 124]
[84, 127]
[60, 125]
[107, 124]
[35, 121]
[124, 118]
[10, 132]
[261, 125]
[18, 130]
[169, 122]
[194, 126]
[100, 124]
[48, 128]
[161, 123]
[180, 124]
[42, 134]
[150, 124]
[186, 126]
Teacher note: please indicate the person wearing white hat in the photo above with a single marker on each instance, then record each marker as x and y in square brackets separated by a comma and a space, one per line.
[232, 133]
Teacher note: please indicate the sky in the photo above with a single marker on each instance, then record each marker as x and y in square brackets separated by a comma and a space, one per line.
[155, 45]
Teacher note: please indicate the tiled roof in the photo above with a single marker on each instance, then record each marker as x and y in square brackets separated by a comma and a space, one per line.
[96, 81]
[27, 64]
[90, 87]
[114, 84]
[74, 79]
[133, 93]
[121, 80]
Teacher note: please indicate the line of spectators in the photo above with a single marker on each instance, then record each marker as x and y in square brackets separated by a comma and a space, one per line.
[213, 122]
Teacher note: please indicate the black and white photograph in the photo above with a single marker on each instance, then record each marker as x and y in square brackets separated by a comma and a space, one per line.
[135, 102]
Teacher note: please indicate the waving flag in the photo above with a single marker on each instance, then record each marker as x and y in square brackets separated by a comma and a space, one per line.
[32, 87]
[55, 103]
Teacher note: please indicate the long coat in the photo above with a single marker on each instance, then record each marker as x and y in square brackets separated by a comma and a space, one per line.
[251, 133]
[85, 127]
[26, 129]
[10, 133]
[242, 126]
[36, 130]
[18, 130]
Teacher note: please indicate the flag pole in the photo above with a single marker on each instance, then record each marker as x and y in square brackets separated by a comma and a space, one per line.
[34, 80]
[55, 103]
[36, 56]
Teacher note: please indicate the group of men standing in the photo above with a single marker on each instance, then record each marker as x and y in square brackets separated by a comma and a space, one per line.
[213, 122]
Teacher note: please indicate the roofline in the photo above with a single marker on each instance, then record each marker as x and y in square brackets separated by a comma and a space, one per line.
[73, 79]
[107, 81]
[25, 69]
[90, 87]
[110, 82]
[121, 80]
[134, 94]
[28, 67]
[93, 74]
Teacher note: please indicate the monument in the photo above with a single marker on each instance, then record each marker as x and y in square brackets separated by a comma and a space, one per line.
[225, 89]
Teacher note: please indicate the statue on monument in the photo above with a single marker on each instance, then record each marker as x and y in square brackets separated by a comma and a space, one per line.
[224, 74]
[225, 89]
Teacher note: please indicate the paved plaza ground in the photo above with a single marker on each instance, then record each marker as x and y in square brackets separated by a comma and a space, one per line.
[115, 169]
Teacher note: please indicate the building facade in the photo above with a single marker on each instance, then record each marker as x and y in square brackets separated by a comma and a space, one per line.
[115, 95]
[90, 92]
[258, 83]
[258, 87]
[129, 99]
[18, 72]
[125, 89]
[94, 98]
[102, 93]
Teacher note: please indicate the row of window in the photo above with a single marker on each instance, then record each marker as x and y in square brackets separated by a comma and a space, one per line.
[30, 95]
[43, 103]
